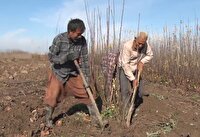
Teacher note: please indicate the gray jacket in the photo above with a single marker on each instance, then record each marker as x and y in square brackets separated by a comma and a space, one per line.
[58, 51]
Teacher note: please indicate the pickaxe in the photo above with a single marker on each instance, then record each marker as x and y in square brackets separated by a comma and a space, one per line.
[132, 107]
[97, 113]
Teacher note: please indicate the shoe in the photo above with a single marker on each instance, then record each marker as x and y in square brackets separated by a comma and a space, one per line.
[138, 102]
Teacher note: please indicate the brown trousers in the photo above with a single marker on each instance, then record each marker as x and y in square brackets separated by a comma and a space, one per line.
[56, 91]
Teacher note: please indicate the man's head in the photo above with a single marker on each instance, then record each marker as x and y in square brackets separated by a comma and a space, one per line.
[75, 28]
[141, 39]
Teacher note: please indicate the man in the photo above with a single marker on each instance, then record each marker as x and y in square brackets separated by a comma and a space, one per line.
[133, 55]
[64, 78]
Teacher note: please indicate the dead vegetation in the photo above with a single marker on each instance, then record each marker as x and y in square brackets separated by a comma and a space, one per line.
[172, 79]
[166, 112]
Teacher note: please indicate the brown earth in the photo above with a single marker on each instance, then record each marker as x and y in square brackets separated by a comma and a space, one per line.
[167, 112]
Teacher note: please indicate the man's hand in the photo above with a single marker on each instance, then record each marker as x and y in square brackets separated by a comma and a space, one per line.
[140, 66]
[53, 59]
[73, 56]
[69, 57]
[135, 83]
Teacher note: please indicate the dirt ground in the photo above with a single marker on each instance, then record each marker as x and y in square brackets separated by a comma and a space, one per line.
[167, 112]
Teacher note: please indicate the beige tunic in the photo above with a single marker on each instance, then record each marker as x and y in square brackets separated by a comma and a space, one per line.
[128, 59]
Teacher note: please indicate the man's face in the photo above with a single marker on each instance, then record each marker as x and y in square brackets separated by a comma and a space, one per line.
[75, 34]
[140, 44]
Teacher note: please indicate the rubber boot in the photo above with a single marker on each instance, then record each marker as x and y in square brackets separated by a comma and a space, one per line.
[49, 112]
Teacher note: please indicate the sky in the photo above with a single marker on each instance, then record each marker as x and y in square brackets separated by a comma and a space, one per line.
[31, 25]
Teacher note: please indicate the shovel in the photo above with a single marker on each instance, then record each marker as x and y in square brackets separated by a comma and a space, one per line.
[97, 113]
[132, 107]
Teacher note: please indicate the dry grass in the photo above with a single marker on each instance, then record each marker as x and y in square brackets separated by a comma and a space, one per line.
[176, 57]
[16, 55]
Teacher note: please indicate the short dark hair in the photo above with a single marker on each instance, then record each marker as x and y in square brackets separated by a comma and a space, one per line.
[75, 24]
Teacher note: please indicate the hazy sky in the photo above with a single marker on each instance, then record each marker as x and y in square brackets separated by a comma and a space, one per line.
[31, 25]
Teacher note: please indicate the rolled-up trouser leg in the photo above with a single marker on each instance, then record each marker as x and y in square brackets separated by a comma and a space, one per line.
[75, 87]
[53, 90]
[51, 96]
